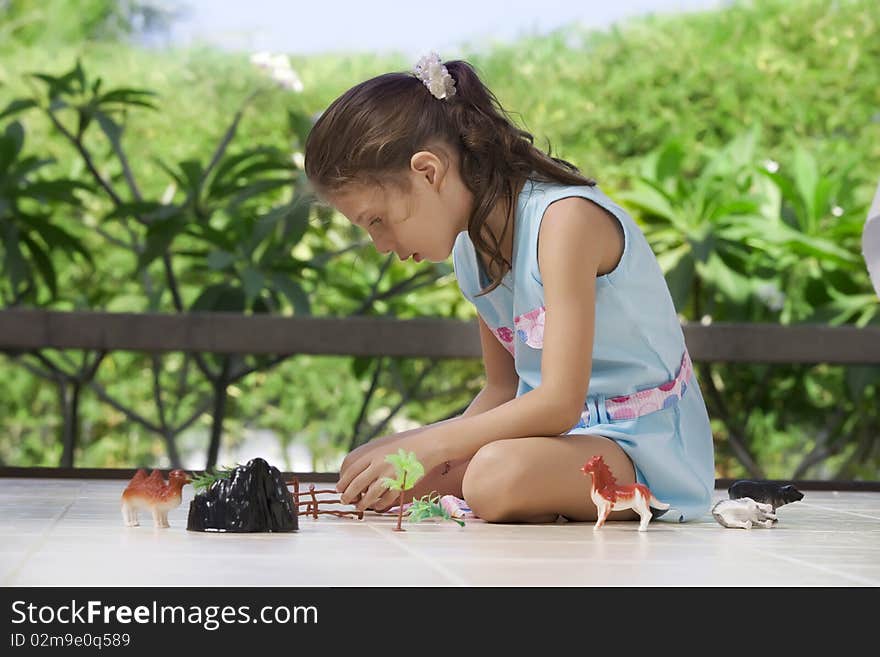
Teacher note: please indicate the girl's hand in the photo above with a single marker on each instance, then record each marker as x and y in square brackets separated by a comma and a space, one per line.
[356, 455]
[362, 485]
[357, 458]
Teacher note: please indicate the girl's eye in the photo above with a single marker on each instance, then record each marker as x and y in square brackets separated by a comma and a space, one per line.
[374, 221]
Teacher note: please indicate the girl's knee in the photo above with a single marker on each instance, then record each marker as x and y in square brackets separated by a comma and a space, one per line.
[494, 481]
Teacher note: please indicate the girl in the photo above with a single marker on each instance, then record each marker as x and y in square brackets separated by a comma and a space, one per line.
[583, 351]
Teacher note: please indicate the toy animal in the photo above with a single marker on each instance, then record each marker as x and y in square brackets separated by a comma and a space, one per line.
[152, 494]
[742, 513]
[764, 492]
[608, 496]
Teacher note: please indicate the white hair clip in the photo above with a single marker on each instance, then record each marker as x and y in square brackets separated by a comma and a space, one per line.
[435, 76]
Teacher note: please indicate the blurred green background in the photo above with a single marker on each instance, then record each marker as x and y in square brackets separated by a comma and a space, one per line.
[744, 140]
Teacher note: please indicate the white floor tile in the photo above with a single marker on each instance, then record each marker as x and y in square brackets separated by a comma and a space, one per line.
[70, 532]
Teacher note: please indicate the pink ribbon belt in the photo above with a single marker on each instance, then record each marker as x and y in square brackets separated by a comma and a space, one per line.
[627, 407]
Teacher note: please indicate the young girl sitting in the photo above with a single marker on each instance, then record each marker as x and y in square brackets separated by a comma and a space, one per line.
[583, 351]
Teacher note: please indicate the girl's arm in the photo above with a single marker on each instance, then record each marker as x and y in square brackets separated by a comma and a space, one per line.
[502, 382]
[488, 398]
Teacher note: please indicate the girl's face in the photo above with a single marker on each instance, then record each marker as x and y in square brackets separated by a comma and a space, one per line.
[423, 223]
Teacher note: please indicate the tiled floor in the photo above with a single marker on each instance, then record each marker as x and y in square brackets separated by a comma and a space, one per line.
[70, 532]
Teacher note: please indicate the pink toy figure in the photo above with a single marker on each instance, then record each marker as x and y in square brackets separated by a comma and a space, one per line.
[608, 496]
[153, 494]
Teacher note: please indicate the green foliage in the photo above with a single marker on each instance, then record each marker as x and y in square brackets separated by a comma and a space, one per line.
[221, 199]
[745, 141]
[735, 229]
[205, 480]
[51, 22]
[407, 469]
[690, 219]
[29, 234]
[428, 506]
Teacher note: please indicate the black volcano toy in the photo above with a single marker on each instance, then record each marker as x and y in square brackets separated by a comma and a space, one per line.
[253, 498]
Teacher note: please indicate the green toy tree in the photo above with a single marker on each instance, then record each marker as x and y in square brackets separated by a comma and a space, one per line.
[428, 506]
[408, 471]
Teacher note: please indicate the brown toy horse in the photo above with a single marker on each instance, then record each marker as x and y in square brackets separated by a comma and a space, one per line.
[608, 496]
[152, 494]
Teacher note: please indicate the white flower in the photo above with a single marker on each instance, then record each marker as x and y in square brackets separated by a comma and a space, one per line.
[771, 295]
[279, 61]
[262, 59]
[435, 76]
[288, 79]
[837, 211]
[706, 320]
[771, 165]
[278, 68]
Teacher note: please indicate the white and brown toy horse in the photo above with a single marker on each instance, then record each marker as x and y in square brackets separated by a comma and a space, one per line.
[608, 496]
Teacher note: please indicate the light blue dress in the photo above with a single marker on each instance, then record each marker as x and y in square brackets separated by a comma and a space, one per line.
[638, 346]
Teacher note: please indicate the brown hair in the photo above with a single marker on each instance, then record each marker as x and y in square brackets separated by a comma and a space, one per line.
[369, 134]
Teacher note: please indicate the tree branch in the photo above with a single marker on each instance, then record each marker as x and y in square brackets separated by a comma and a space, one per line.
[126, 171]
[227, 137]
[859, 454]
[86, 156]
[374, 382]
[58, 373]
[235, 377]
[820, 450]
[395, 289]
[207, 402]
[50, 376]
[130, 414]
[406, 398]
[157, 389]
[114, 240]
[736, 442]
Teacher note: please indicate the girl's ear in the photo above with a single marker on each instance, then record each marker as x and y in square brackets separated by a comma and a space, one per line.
[426, 164]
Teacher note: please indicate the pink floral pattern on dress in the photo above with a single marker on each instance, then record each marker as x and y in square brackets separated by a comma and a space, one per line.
[530, 327]
[628, 407]
[505, 337]
[647, 401]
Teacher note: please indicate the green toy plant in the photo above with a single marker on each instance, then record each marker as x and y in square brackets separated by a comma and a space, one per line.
[428, 506]
[204, 481]
[408, 470]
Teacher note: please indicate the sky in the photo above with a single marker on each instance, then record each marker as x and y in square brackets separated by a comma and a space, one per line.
[300, 28]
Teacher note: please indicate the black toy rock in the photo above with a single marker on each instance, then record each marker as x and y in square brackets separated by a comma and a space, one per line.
[765, 492]
[253, 498]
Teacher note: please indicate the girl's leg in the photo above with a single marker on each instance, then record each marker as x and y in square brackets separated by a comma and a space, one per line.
[536, 479]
